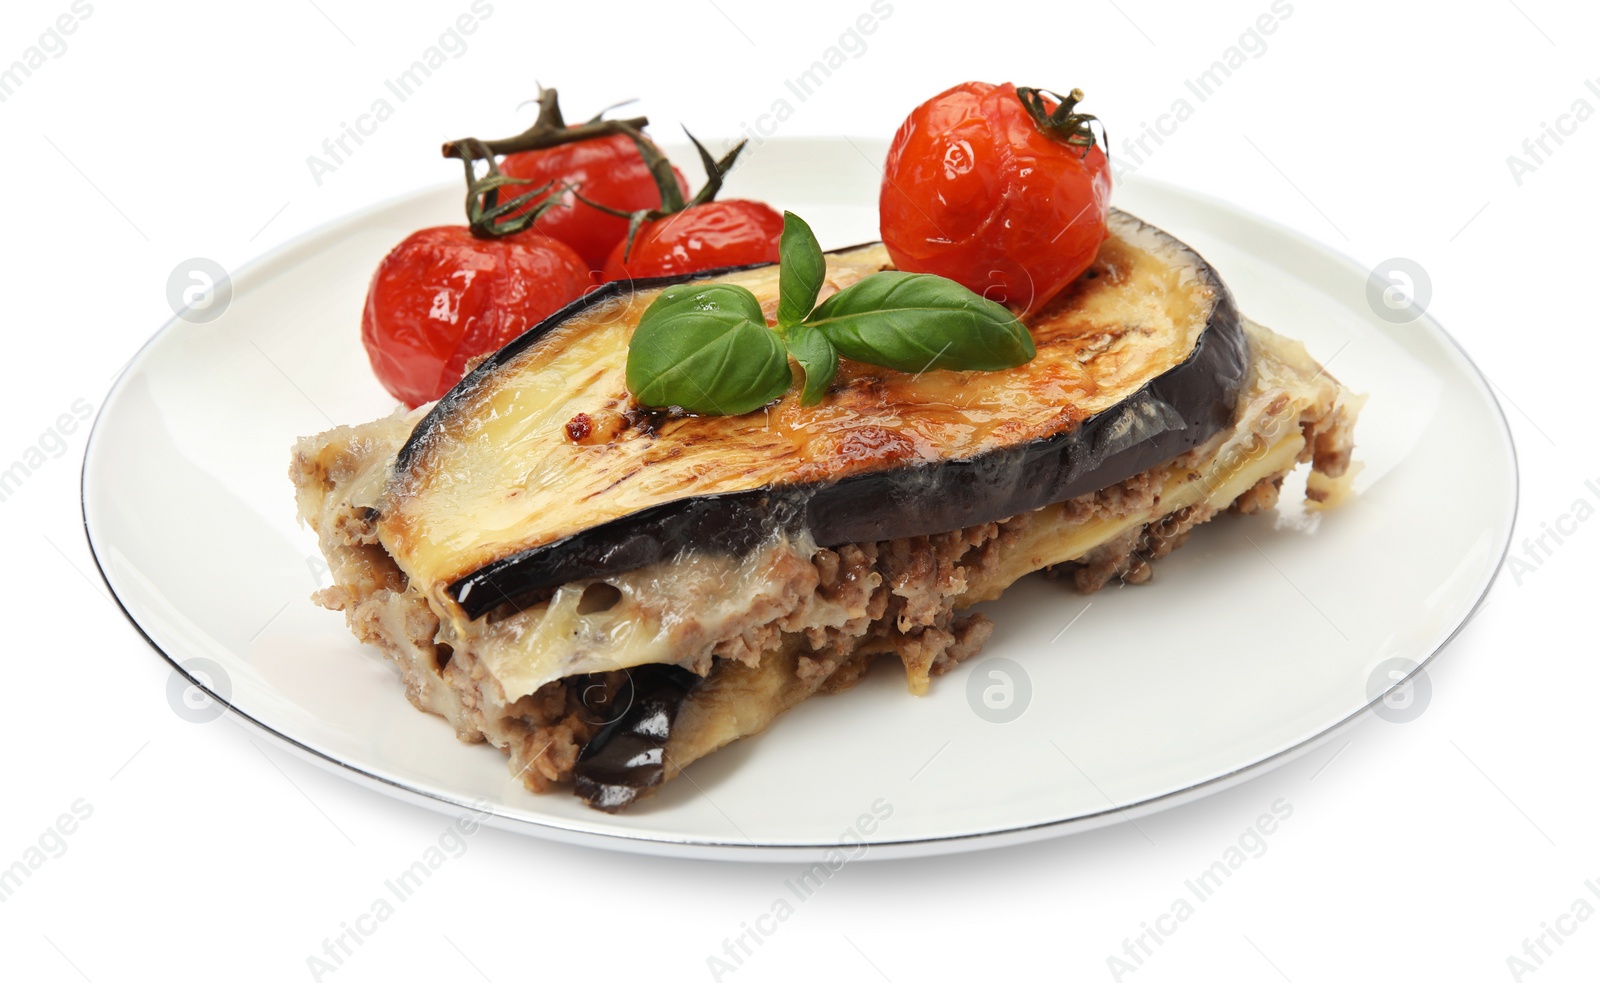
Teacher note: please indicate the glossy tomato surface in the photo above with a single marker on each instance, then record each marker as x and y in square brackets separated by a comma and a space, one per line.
[607, 170]
[703, 237]
[443, 297]
[974, 190]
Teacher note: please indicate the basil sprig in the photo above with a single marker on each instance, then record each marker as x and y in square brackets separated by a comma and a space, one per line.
[706, 347]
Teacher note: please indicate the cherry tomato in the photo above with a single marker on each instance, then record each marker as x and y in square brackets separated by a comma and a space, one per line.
[607, 170]
[701, 237]
[442, 297]
[975, 190]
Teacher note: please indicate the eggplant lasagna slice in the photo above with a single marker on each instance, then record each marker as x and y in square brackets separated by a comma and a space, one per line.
[608, 593]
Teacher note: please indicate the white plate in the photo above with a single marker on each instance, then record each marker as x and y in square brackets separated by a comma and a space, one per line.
[1251, 645]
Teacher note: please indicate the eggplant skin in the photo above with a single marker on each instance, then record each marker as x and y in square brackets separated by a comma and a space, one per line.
[628, 755]
[1160, 417]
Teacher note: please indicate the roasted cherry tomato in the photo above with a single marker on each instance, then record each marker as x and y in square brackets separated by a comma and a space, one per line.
[1007, 198]
[701, 237]
[443, 297]
[608, 170]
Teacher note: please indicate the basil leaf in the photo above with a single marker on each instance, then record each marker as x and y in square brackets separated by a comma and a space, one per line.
[707, 348]
[801, 270]
[917, 321]
[817, 358]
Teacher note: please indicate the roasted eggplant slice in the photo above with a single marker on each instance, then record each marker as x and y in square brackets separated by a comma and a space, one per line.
[538, 469]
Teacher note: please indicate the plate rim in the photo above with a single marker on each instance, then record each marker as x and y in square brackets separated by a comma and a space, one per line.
[683, 846]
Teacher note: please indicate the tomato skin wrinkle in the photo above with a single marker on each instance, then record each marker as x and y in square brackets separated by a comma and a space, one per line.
[443, 297]
[973, 190]
[606, 170]
[735, 232]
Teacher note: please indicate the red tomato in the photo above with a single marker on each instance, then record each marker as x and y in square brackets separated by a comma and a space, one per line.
[607, 170]
[442, 297]
[701, 237]
[974, 190]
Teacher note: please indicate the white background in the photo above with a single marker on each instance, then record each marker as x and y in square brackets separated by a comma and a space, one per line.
[1428, 850]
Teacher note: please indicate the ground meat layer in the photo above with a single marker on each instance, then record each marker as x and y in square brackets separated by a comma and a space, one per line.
[901, 598]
